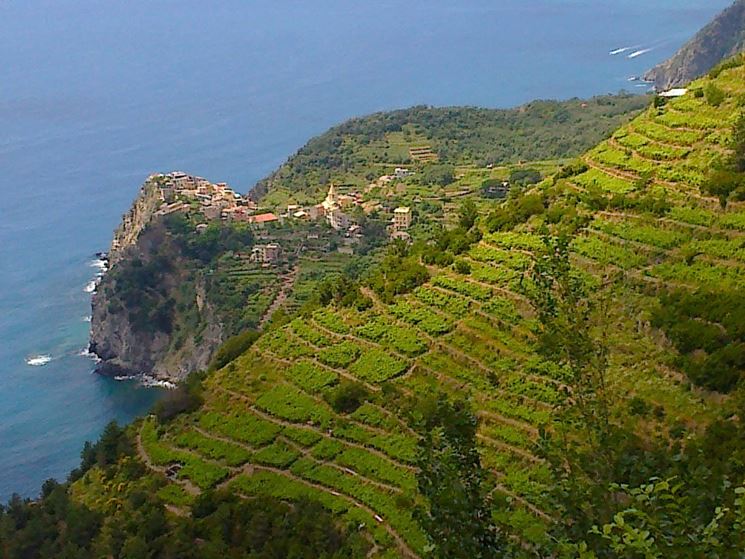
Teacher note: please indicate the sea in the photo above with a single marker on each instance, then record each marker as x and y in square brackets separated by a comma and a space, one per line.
[97, 94]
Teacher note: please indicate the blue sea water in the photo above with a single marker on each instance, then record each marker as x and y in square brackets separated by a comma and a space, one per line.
[95, 95]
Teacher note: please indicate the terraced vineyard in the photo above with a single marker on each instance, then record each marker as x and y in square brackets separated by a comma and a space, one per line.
[238, 280]
[267, 426]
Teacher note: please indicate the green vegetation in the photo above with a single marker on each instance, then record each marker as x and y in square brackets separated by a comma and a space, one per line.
[396, 275]
[457, 516]
[708, 329]
[555, 374]
[139, 526]
[232, 348]
[363, 149]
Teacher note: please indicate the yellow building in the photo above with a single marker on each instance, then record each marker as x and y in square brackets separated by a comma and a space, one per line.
[401, 219]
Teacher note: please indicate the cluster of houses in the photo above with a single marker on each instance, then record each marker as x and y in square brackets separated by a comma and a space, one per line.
[336, 210]
[181, 192]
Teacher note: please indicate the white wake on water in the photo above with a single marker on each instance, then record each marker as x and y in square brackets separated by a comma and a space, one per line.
[147, 381]
[614, 52]
[102, 266]
[38, 360]
[85, 352]
[639, 52]
[90, 287]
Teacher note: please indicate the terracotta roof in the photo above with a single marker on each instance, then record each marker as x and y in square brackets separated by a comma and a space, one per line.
[263, 218]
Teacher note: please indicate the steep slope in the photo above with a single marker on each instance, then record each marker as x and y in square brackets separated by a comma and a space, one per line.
[722, 38]
[643, 231]
[180, 282]
[149, 309]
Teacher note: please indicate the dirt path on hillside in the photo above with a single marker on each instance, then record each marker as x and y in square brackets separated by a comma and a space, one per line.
[284, 292]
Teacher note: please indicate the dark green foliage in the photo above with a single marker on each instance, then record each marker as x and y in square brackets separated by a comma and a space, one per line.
[537, 131]
[494, 188]
[643, 181]
[343, 291]
[659, 101]
[449, 243]
[571, 170]
[729, 63]
[221, 526]
[639, 406]
[566, 314]
[462, 267]
[598, 200]
[111, 445]
[439, 175]
[217, 238]
[348, 396]
[708, 329]
[266, 528]
[140, 288]
[185, 398]
[467, 214]
[608, 487]
[525, 177]
[397, 274]
[722, 183]
[727, 180]
[54, 528]
[233, 348]
[457, 514]
[518, 209]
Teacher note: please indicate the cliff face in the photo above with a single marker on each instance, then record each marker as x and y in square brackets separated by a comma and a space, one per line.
[720, 39]
[135, 220]
[150, 311]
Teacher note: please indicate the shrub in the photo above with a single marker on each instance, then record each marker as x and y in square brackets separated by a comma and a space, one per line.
[659, 101]
[571, 170]
[185, 398]
[348, 396]
[638, 406]
[441, 175]
[715, 96]
[462, 267]
[232, 348]
[525, 177]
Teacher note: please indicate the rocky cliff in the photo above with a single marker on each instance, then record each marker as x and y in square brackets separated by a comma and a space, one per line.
[151, 315]
[720, 39]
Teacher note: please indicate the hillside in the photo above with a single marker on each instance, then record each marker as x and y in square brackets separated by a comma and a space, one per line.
[604, 379]
[180, 284]
[644, 231]
[175, 293]
[362, 149]
[720, 39]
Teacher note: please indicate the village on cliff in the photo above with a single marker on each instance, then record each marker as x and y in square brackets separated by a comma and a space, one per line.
[184, 193]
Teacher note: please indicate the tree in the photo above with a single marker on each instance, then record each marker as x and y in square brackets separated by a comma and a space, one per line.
[232, 348]
[467, 214]
[582, 447]
[440, 175]
[348, 396]
[657, 524]
[457, 516]
[715, 96]
[565, 313]
[723, 182]
[525, 177]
